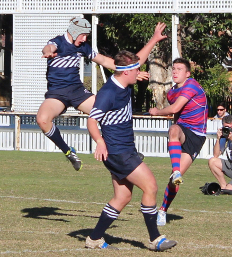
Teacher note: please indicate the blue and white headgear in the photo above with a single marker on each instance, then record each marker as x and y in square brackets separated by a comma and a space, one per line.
[78, 26]
[128, 67]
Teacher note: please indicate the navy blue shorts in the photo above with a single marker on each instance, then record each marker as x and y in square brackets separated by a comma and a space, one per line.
[70, 96]
[193, 143]
[121, 165]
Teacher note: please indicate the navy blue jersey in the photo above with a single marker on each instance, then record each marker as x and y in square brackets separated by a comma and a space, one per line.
[63, 70]
[112, 109]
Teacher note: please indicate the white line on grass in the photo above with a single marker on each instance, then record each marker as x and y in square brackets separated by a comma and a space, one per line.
[49, 200]
[190, 245]
[68, 201]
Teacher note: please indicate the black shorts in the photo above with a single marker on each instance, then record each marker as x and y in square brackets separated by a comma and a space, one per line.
[193, 143]
[121, 165]
[70, 96]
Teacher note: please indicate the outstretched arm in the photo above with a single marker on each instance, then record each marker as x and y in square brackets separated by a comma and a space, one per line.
[105, 61]
[108, 63]
[101, 152]
[157, 36]
[49, 51]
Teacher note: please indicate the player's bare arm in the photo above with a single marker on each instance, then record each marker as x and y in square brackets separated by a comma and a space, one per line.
[49, 51]
[157, 36]
[101, 152]
[108, 63]
[105, 61]
[171, 109]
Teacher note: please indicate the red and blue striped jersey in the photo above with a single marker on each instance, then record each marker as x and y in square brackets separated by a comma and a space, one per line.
[194, 114]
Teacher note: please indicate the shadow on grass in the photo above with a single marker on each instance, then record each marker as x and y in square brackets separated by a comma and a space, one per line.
[83, 233]
[171, 217]
[44, 213]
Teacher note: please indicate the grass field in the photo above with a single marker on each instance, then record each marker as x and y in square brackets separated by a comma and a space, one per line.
[48, 209]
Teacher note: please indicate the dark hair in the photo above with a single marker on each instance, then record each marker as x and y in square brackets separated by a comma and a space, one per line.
[183, 61]
[223, 104]
[124, 58]
[227, 119]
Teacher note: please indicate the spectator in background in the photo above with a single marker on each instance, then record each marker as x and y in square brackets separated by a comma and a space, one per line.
[221, 111]
[221, 167]
[227, 61]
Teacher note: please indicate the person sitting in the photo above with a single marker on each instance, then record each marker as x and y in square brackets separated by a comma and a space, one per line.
[223, 167]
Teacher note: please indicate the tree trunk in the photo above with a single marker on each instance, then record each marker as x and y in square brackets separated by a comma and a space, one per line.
[160, 79]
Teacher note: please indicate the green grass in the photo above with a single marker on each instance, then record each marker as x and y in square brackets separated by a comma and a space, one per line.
[48, 209]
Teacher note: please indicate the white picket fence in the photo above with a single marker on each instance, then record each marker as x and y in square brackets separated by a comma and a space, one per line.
[20, 132]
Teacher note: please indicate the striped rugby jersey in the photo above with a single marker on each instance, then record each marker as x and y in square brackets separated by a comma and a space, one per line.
[194, 114]
[63, 70]
[112, 109]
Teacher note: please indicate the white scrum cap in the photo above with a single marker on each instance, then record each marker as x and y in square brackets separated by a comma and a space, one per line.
[78, 26]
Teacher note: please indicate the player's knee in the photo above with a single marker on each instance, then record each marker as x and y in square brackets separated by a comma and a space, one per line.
[151, 188]
[212, 162]
[174, 131]
[124, 200]
[127, 199]
[42, 120]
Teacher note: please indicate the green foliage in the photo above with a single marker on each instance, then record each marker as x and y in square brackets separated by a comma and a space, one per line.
[205, 37]
[128, 31]
[204, 40]
[215, 82]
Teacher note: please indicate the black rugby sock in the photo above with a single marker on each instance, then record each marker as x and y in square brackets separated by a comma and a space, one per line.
[108, 216]
[150, 217]
[55, 136]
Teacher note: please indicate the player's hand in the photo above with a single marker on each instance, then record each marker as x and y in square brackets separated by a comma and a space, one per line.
[158, 31]
[154, 111]
[101, 152]
[49, 55]
[143, 75]
[219, 133]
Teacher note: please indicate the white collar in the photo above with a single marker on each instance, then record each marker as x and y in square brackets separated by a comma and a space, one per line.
[66, 37]
[116, 82]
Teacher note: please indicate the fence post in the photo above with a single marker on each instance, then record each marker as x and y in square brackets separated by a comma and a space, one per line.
[17, 132]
